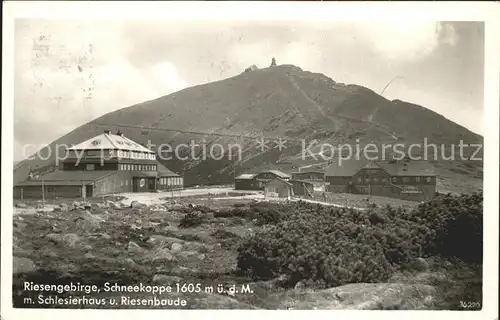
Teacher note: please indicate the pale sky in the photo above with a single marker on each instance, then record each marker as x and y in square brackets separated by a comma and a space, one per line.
[127, 62]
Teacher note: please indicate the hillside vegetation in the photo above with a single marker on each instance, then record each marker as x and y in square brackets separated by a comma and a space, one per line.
[283, 101]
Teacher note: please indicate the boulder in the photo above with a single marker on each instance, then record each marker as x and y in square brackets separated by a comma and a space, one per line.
[160, 255]
[88, 222]
[64, 207]
[70, 240]
[176, 247]
[21, 205]
[300, 285]
[195, 246]
[22, 265]
[420, 264]
[159, 240]
[134, 248]
[137, 205]
[187, 254]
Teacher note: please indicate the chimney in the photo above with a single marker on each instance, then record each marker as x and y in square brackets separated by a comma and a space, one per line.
[107, 131]
[405, 166]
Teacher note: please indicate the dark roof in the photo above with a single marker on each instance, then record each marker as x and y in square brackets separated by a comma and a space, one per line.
[28, 183]
[301, 181]
[348, 168]
[413, 168]
[246, 176]
[278, 173]
[345, 168]
[280, 180]
[165, 172]
[68, 177]
[309, 170]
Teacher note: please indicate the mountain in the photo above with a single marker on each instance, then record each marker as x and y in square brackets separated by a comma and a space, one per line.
[282, 101]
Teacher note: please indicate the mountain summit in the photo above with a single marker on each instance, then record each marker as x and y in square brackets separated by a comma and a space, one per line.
[279, 101]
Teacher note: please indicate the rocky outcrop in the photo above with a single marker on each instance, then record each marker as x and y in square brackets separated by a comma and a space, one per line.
[361, 296]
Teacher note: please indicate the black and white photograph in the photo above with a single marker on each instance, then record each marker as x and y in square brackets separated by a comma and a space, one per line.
[281, 160]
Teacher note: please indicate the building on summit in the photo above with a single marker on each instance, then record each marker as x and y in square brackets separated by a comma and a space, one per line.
[404, 179]
[106, 164]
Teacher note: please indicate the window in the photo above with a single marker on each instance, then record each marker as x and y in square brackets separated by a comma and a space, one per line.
[384, 179]
[428, 179]
[360, 180]
[375, 179]
[417, 179]
[394, 179]
[90, 166]
[367, 180]
[126, 182]
[406, 179]
[121, 183]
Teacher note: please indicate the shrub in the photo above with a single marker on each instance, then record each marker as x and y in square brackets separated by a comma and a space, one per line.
[454, 225]
[192, 219]
[316, 243]
[339, 245]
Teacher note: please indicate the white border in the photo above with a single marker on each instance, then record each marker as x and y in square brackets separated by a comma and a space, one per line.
[436, 11]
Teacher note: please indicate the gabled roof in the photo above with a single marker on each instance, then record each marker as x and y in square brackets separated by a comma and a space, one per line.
[301, 181]
[412, 168]
[68, 177]
[348, 168]
[310, 170]
[280, 180]
[246, 176]
[107, 141]
[345, 168]
[279, 173]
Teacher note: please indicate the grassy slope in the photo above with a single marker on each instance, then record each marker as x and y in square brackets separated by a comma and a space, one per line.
[282, 101]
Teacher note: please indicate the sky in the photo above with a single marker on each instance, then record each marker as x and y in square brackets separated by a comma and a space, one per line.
[68, 72]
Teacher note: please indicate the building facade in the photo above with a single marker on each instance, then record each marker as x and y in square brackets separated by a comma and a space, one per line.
[257, 181]
[106, 164]
[404, 179]
[302, 188]
[314, 176]
[278, 188]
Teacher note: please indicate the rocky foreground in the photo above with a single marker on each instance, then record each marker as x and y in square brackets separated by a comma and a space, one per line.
[106, 241]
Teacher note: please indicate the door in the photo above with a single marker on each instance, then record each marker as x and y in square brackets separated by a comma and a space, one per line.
[151, 184]
[88, 191]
